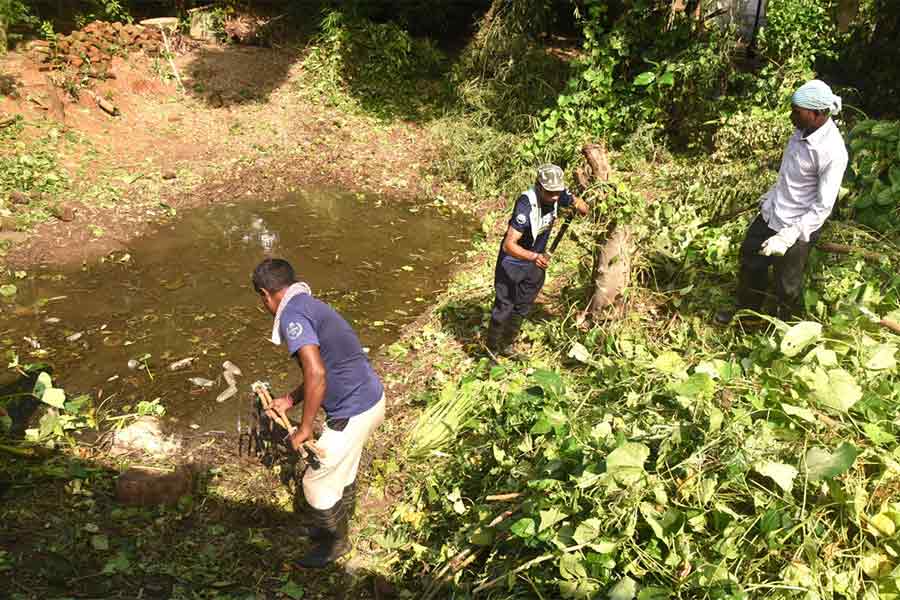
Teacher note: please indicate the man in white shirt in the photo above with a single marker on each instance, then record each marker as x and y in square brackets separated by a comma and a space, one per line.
[793, 211]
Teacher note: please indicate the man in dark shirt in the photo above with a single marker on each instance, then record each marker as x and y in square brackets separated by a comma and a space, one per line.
[523, 260]
[338, 378]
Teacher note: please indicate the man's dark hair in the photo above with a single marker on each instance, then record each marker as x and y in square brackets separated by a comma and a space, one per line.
[273, 274]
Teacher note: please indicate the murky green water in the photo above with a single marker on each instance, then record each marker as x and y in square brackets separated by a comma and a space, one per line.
[185, 291]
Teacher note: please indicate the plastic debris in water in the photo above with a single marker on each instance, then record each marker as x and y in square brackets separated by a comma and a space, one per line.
[133, 364]
[181, 364]
[52, 320]
[202, 382]
[75, 337]
[231, 367]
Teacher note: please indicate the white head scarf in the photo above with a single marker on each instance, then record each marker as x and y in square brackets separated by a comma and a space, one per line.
[816, 95]
[295, 288]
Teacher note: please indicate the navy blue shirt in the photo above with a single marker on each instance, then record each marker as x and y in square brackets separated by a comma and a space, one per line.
[353, 387]
[521, 221]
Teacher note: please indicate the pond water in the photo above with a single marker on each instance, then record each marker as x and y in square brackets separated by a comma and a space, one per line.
[112, 329]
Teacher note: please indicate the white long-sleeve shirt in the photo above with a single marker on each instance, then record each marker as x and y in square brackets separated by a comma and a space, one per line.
[809, 180]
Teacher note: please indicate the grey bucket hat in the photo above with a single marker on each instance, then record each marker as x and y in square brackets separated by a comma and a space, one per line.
[551, 178]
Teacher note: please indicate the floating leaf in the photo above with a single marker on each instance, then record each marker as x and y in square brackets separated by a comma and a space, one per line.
[8, 290]
[626, 463]
[780, 473]
[799, 337]
[822, 464]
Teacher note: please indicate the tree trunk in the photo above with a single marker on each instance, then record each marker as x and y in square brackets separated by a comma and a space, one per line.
[612, 256]
[3, 41]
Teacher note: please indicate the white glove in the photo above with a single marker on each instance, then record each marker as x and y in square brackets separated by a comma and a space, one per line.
[780, 243]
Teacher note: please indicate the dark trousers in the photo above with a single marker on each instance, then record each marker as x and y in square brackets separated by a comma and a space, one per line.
[516, 285]
[790, 269]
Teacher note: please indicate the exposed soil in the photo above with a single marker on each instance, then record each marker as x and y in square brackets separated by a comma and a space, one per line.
[241, 129]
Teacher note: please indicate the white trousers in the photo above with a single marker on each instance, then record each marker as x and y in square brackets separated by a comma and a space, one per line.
[324, 487]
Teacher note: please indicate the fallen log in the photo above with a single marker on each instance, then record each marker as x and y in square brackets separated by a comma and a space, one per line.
[835, 248]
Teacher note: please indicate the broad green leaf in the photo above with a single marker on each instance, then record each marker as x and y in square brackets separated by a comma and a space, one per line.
[878, 435]
[882, 358]
[551, 517]
[882, 525]
[292, 590]
[100, 542]
[571, 566]
[548, 381]
[625, 589]
[118, 564]
[697, 386]
[822, 464]
[42, 383]
[645, 78]
[837, 389]
[626, 463]
[55, 397]
[655, 593]
[667, 78]
[523, 528]
[582, 589]
[50, 425]
[799, 337]
[650, 515]
[8, 290]
[798, 411]
[587, 531]
[824, 356]
[669, 362]
[580, 353]
[780, 473]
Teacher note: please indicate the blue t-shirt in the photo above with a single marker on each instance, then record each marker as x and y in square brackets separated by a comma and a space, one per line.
[521, 221]
[352, 385]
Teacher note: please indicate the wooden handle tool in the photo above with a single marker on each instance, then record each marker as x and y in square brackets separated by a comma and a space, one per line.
[281, 418]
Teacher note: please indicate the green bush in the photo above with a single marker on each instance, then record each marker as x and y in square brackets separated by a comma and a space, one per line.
[874, 174]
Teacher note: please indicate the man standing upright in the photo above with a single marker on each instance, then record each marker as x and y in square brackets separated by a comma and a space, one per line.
[521, 264]
[793, 211]
[336, 377]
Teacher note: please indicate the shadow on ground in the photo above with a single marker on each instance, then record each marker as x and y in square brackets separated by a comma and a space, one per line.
[222, 76]
[64, 533]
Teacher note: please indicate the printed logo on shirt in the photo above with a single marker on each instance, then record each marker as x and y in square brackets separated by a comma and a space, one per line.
[546, 222]
[294, 330]
[521, 219]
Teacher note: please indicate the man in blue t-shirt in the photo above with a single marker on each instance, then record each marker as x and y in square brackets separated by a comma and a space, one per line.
[523, 260]
[338, 378]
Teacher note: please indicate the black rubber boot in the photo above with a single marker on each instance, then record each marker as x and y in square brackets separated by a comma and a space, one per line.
[512, 333]
[494, 340]
[332, 541]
